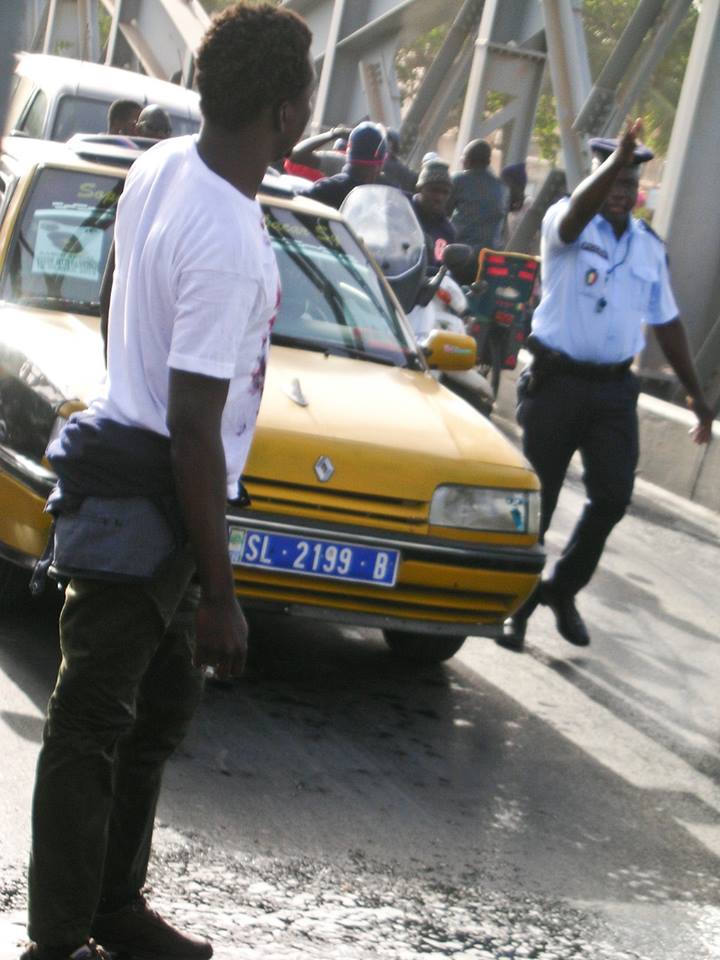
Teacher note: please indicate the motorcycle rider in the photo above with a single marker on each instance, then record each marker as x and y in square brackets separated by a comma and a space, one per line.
[429, 203]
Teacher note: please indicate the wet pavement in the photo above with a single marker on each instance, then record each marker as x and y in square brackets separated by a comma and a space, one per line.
[261, 907]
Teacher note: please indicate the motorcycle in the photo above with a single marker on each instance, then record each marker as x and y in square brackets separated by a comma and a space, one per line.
[385, 221]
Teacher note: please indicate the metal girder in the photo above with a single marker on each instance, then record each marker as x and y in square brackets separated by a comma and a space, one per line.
[688, 214]
[616, 88]
[636, 80]
[71, 28]
[156, 36]
[162, 35]
[508, 59]
[570, 73]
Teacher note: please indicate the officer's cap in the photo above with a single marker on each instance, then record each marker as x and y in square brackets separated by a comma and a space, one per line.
[602, 147]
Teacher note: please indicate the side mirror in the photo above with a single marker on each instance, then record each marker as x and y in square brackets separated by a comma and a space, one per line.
[449, 351]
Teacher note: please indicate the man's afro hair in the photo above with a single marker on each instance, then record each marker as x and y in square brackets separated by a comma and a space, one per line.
[251, 57]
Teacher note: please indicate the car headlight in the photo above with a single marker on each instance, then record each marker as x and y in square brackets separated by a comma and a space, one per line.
[481, 508]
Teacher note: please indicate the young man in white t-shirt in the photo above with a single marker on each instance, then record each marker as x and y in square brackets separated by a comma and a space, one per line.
[194, 293]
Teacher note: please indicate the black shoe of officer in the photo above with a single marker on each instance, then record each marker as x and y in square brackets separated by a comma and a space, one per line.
[569, 623]
[515, 627]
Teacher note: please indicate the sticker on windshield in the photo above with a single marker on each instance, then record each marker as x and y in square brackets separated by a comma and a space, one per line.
[69, 251]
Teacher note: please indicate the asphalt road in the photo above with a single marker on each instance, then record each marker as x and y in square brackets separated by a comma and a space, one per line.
[337, 803]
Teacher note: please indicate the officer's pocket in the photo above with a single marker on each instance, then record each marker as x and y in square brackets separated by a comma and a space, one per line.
[641, 283]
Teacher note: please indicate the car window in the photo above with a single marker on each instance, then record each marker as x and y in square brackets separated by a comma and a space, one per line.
[89, 115]
[21, 88]
[61, 242]
[33, 123]
[333, 300]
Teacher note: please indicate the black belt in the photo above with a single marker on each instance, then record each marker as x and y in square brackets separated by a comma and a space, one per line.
[548, 361]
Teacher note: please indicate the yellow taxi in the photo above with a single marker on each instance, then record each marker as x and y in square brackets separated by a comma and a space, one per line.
[378, 498]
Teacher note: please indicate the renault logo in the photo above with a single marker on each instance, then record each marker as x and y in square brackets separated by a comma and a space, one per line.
[324, 469]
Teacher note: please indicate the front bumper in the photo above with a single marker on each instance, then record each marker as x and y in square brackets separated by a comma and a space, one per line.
[443, 586]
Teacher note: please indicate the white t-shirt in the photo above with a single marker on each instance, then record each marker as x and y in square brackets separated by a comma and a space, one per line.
[196, 288]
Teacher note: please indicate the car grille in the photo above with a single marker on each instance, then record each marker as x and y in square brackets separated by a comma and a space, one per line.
[339, 506]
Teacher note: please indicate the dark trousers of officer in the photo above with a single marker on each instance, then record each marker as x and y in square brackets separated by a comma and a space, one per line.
[125, 695]
[563, 413]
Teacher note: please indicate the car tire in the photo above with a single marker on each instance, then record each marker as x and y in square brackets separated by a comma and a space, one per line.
[14, 586]
[422, 647]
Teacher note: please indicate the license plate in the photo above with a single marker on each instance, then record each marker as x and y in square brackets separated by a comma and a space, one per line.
[312, 557]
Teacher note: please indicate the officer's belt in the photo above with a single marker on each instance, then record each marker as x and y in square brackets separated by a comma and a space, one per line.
[548, 361]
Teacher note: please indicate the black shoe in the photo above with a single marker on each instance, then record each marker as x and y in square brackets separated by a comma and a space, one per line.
[515, 627]
[570, 624]
[88, 951]
[144, 935]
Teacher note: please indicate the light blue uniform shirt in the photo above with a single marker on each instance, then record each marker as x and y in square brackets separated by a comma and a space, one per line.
[598, 291]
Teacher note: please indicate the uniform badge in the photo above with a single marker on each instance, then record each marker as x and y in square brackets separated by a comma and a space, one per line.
[591, 277]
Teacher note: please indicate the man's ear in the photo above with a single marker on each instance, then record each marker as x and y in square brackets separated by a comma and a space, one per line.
[280, 117]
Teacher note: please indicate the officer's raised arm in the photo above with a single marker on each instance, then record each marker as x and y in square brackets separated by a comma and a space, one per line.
[590, 194]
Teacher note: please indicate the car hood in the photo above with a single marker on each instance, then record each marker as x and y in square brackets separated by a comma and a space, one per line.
[385, 429]
[64, 348]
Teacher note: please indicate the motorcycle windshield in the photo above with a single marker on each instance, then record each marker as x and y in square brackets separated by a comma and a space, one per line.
[385, 220]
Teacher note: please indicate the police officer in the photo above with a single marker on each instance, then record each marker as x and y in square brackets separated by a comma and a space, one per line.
[604, 273]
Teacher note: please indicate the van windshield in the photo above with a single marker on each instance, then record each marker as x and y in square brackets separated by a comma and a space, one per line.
[89, 115]
[60, 245]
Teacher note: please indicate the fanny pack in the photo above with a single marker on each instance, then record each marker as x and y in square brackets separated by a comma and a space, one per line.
[113, 538]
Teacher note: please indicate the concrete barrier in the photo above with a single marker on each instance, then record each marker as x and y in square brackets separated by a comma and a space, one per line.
[668, 456]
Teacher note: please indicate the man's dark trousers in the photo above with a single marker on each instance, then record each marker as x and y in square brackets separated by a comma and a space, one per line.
[565, 413]
[125, 695]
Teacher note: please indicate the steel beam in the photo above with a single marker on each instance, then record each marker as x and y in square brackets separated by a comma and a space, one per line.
[635, 82]
[570, 75]
[509, 59]
[688, 214]
[602, 96]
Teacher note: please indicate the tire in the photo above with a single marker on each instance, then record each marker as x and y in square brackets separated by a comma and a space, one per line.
[14, 586]
[422, 647]
[498, 346]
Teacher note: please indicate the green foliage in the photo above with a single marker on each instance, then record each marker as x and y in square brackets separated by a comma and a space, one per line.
[546, 129]
[413, 60]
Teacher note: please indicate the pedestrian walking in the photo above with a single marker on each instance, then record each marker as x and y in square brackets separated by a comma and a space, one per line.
[604, 274]
[479, 200]
[144, 479]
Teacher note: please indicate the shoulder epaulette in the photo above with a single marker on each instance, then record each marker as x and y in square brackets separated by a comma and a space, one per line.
[646, 226]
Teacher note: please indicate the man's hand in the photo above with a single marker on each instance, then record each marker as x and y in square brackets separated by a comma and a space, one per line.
[702, 432]
[221, 637]
[628, 141]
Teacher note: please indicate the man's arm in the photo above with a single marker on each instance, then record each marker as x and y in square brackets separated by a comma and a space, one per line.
[195, 407]
[304, 152]
[105, 289]
[673, 343]
[589, 195]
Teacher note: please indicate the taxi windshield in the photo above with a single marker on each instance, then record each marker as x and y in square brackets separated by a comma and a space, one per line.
[60, 245]
[333, 300]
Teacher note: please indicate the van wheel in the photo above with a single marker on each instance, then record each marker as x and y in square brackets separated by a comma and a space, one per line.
[14, 586]
[422, 647]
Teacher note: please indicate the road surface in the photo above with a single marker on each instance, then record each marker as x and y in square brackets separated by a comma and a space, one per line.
[336, 803]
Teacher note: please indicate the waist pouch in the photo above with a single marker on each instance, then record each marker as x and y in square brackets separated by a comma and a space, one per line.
[113, 538]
